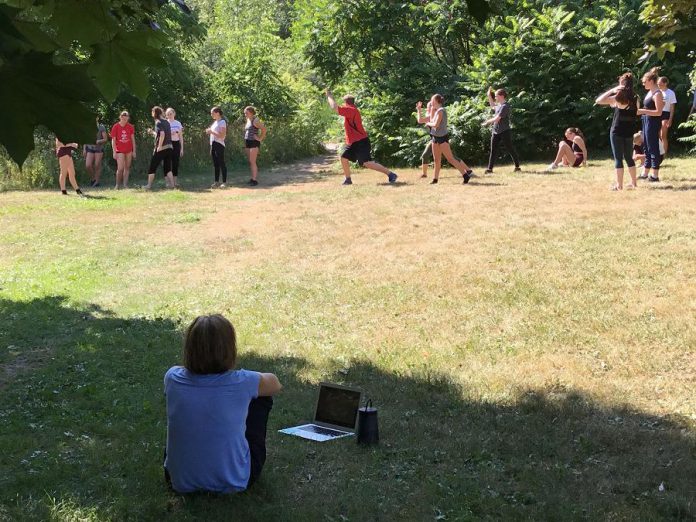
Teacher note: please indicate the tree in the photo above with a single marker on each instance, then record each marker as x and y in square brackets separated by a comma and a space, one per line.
[57, 57]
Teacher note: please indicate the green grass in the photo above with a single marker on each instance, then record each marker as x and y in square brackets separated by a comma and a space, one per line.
[528, 339]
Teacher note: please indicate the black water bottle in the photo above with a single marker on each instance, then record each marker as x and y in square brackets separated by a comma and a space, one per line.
[368, 430]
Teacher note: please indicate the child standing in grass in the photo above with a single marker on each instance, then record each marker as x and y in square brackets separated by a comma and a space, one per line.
[216, 415]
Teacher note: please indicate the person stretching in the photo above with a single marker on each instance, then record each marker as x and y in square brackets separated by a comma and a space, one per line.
[162, 153]
[216, 415]
[358, 146]
[667, 111]
[572, 151]
[651, 113]
[94, 155]
[254, 134]
[123, 145]
[67, 166]
[440, 139]
[501, 128]
[217, 132]
[177, 143]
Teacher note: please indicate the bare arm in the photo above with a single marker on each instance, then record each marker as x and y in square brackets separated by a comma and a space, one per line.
[103, 139]
[181, 141]
[491, 98]
[420, 118]
[608, 98]
[134, 147]
[332, 101]
[262, 127]
[269, 385]
[672, 110]
[583, 148]
[434, 123]
[160, 141]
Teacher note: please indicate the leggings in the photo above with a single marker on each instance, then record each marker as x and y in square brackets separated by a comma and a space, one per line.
[217, 151]
[176, 155]
[506, 138]
[622, 148]
[256, 423]
[651, 141]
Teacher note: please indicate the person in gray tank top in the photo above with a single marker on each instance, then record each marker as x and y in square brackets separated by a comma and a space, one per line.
[437, 124]
[254, 134]
[502, 132]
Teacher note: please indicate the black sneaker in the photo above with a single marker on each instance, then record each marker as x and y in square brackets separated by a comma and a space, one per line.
[93, 183]
[64, 192]
[434, 181]
[392, 177]
[517, 169]
[96, 184]
[347, 181]
[467, 176]
[488, 171]
[253, 182]
[653, 179]
[79, 192]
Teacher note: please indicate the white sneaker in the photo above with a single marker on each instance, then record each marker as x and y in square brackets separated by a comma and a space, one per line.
[551, 167]
[223, 185]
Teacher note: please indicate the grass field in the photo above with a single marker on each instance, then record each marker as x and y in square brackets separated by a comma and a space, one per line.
[529, 341]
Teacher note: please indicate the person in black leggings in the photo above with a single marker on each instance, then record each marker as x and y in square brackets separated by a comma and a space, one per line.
[501, 128]
[625, 103]
[651, 113]
[217, 132]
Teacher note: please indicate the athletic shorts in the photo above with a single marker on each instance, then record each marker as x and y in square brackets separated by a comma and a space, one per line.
[579, 158]
[665, 115]
[64, 151]
[252, 144]
[441, 139]
[358, 151]
[164, 157]
[94, 149]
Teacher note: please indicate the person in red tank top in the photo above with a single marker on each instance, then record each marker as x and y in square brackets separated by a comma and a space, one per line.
[358, 148]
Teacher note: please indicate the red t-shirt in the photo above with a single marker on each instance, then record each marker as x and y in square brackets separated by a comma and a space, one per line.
[122, 136]
[352, 123]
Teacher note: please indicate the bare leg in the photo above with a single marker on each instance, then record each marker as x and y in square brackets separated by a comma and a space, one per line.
[462, 167]
[252, 154]
[126, 170]
[634, 179]
[424, 168]
[170, 180]
[71, 174]
[619, 179]
[90, 161]
[63, 173]
[346, 167]
[120, 167]
[437, 158]
[373, 165]
[565, 155]
[664, 131]
[98, 166]
[150, 181]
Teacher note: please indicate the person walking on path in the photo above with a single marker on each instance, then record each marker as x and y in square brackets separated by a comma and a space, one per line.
[440, 139]
[123, 145]
[94, 154]
[217, 132]
[254, 134]
[624, 101]
[501, 128]
[358, 148]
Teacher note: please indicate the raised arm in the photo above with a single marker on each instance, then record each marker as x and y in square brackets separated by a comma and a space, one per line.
[419, 118]
[490, 96]
[332, 101]
[607, 98]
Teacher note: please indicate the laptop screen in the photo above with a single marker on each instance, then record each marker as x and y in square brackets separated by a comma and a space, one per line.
[337, 406]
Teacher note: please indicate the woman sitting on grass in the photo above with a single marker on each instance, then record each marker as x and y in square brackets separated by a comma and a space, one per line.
[572, 151]
[216, 415]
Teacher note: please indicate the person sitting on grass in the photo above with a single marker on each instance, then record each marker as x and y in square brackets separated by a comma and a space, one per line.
[572, 151]
[216, 415]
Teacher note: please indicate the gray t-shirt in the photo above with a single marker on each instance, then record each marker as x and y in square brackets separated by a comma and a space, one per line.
[162, 125]
[502, 110]
[441, 129]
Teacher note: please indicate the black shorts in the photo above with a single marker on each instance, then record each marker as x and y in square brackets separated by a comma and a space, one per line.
[252, 144]
[359, 151]
[665, 115]
[164, 157]
[441, 139]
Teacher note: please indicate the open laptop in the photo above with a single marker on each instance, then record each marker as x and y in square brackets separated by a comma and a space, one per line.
[334, 416]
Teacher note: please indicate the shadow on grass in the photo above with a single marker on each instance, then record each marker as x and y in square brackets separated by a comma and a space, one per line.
[676, 188]
[84, 426]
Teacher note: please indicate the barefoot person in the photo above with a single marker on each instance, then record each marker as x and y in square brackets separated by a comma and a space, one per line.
[162, 152]
[217, 132]
[572, 151]
[177, 142]
[67, 166]
[217, 415]
[501, 128]
[625, 103]
[94, 154]
[358, 146]
[670, 99]
[651, 114]
[440, 139]
[123, 145]
[254, 134]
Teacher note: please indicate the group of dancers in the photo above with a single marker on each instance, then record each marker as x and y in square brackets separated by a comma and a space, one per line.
[168, 149]
[648, 145]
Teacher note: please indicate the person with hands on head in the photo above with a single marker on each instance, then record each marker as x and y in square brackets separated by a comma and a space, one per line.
[358, 148]
[124, 148]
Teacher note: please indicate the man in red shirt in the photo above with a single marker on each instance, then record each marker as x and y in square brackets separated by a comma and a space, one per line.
[358, 147]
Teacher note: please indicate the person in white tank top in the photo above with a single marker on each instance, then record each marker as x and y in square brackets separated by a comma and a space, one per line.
[668, 110]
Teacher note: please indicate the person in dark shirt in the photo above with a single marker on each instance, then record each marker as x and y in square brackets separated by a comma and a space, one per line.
[501, 128]
[163, 150]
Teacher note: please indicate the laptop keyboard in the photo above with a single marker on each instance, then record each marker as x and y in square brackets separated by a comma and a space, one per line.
[322, 431]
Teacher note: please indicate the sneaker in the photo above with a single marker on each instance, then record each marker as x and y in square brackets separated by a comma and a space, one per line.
[551, 167]
[653, 179]
[93, 183]
[643, 176]
[215, 185]
[488, 172]
[253, 182]
[434, 181]
[79, 192]
[517, 169]
[222, 185]
[96, 184]
[467, 176]
[392, 177]
[64, 192]
[347, 181]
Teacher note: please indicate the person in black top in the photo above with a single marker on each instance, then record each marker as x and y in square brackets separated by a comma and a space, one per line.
[163, 150]
[572, 151]
[501, 128]
[652, 124]
[625, 103]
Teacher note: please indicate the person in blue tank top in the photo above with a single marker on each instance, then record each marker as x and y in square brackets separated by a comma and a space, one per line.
[651, 114]
[216, 415]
